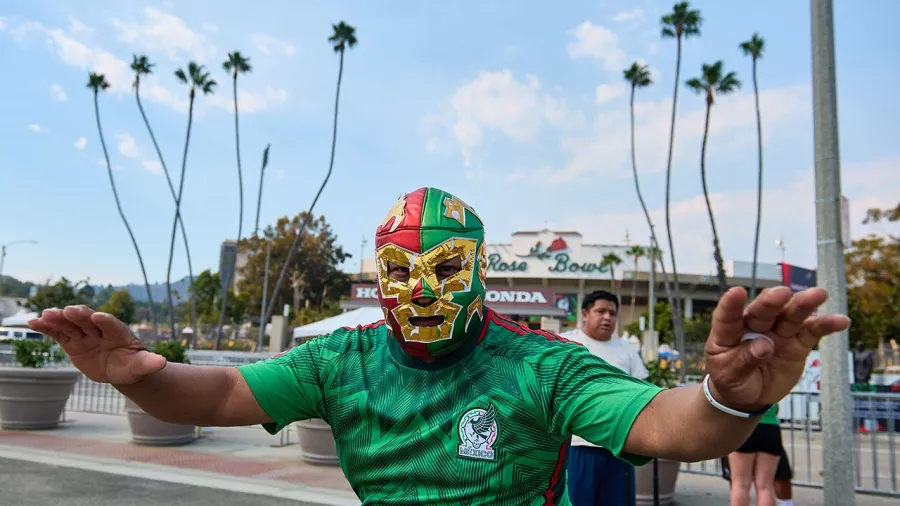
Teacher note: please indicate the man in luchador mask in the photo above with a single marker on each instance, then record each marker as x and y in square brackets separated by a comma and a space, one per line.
[449, 402]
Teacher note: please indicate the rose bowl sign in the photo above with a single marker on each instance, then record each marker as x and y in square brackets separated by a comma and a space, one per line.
[532, 297]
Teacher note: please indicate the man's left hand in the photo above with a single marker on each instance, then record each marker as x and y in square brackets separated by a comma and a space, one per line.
[749, 375]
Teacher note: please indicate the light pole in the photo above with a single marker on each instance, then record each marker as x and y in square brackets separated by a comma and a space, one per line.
[265, 291]
[837, 432]
[780, 245]
[3, 251]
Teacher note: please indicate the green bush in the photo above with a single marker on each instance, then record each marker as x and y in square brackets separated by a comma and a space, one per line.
[172, 350]
[37, 354]
[661, 376]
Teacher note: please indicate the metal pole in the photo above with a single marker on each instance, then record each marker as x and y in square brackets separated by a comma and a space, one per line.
[837, 432]
[651, 299]
[2, 258]
[262, 313]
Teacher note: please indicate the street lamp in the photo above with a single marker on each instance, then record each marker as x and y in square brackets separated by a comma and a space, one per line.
[3, 251]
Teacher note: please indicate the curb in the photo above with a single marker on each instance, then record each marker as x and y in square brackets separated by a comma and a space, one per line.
[270, 488]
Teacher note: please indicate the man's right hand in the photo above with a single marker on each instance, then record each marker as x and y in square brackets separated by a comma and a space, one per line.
[98, 344]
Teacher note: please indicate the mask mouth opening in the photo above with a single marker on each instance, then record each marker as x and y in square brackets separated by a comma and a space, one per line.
[426, 321]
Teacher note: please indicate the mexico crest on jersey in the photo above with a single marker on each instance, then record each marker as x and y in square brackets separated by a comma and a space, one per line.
[478, 433]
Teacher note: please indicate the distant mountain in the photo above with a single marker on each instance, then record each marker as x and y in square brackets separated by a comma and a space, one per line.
[158, 290]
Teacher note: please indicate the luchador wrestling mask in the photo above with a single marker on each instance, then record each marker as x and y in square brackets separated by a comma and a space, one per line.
[429, 251]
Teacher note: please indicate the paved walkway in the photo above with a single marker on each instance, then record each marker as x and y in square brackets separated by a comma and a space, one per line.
[247, 460]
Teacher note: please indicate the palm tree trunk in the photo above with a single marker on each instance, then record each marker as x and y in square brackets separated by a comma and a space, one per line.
[759, 185]
[287, 261]
[677, 317]
[633, 288]
[262, 171]
[112, 183]
[226, 287]
[187, 249]
[187, 141]
[717, 252]
[637, 186]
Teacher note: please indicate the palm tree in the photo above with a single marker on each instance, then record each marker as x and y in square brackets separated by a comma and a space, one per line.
[198, 79]
[343, 38]
[262, 171]
[141, 65]
[635, 252]
[713, 81]
[236, 64]
[681, 23]
[754, 49]
[262, 307]
[98, 83]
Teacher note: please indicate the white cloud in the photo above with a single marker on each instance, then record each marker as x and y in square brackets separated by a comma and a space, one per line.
[211, 27]
[597, 43]
[2, 23]
[127, 146]
[77, 27]
[81, 143]
[76, 53]
[152, 166]
[609, 92]
[58, 93]
[266, 44]
[498, 101]
[733, 118]
[164, 32]
[632, 15]
[37, 128]
[250, 101]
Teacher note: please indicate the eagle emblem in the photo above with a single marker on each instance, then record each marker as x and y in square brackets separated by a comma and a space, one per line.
[478, 433]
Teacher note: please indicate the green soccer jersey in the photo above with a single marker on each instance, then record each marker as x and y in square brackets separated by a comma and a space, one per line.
[489, 424]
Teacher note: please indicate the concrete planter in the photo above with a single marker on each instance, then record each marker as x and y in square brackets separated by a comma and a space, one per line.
[32, 399]
[668, 476]
[317, 442]
[146, 430]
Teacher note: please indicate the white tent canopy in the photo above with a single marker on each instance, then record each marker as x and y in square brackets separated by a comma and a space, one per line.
[361, 316]
[18, 320]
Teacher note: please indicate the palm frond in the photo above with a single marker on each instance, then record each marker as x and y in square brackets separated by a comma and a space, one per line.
[181, 76]
[208, 86]
[696, 85]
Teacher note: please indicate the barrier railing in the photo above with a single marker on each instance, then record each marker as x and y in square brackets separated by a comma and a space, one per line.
[877, 424]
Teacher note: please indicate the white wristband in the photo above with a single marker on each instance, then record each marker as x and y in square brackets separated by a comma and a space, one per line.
[725, 409]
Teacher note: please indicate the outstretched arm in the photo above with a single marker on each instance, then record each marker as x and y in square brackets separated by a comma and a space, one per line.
[106, 351]
[681, 424]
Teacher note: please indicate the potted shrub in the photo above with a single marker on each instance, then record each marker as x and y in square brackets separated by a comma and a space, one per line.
[667, 470]
[34, 395]
[145, 429]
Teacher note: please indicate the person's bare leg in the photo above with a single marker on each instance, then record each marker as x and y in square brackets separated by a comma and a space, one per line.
[741, 465]
[764, 478]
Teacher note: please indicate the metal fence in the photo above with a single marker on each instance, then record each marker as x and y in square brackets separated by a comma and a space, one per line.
[877, 423]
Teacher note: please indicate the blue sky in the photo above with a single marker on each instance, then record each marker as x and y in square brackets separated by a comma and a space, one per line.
[517, 107]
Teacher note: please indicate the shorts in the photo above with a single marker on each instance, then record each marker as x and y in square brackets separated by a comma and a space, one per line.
[782, 473]
[765, 438]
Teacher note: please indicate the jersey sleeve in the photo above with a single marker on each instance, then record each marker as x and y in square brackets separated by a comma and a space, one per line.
[592, 399]
[288, 386]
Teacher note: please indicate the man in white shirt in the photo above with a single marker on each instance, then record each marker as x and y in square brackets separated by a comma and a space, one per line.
[595, 475]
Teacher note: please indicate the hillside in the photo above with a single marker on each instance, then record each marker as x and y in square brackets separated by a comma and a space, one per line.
[12, 287]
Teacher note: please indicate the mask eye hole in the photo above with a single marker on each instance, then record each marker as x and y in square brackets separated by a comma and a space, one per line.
[398, 272]
[448, 268]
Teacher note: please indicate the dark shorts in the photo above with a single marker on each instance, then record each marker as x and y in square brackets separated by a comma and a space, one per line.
[783, 472]
[765, 438]
[595, 477]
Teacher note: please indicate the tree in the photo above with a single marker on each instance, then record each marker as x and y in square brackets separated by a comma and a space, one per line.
[873, 293]
[344, 37]
[314, 271]
[209, 300]
[754, 49]
[198, 79]
[97, 83]
[236, 64]
[59, 295]
[713, 81]
[635, 252]
[141, 65]
[682, 22]
[120, 305]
